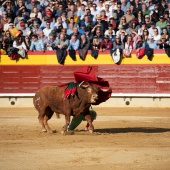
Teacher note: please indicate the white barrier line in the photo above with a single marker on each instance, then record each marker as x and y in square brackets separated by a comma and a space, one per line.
[113, 95]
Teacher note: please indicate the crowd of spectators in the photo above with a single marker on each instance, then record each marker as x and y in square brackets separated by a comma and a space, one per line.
[85, 24]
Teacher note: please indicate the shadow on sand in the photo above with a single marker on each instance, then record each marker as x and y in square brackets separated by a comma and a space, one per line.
[133, 129]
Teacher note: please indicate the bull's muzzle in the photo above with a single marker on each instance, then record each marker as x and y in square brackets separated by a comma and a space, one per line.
[94, 98]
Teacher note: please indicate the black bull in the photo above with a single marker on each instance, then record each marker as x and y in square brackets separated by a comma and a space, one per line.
[50, 99]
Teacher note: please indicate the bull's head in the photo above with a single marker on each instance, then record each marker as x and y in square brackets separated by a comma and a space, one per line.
[92, 91]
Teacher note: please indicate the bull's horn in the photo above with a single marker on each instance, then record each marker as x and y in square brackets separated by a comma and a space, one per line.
[81, 84]
[105, 90]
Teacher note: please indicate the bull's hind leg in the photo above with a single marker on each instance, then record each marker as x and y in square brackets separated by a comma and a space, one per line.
[48, 115]
[89, 121]
[41, 120]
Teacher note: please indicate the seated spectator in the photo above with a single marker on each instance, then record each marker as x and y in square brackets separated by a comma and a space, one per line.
[24, 13]
[145, 10]
[62, 45]
[166, 16]
[35, 28]
[118, 44]
[47, 30]
[140, 17]
[60, 22]
[36, 44]
[82, 28]
[37, 13]
[24, 28]
[152, 27]
[147, 21]
[100, 5]
[128, 16]
[101, 23]
[106, 44]
[98, 33]
[6, 26]
[111, 36]
[108, 11]
[95, 43]
[125, 4]
[73, 17]
[27, 42]
[73, 46]
[10, 11]
[20, 44]
[124, 23]
[156, 35]
[161, 23]
[50, 43]
[119, 13]
[88, 18]
[76, 33]
[145, 35]
[112, 22]
[139, 44]
[83, 47]
[165, 32]
[33, 18]
[103, 15]
[7, 40]
[129, 43]
[113, 6]
[4, 19]
[143, 27]
[74, 43]
[163, 42]
[156, 13]
[32, 3]
[110, 28]
[168, 27]
[87, 22]
[151, 5]
[64, 16]
[94, 12]
[81, 13]
[88, 35]
[41, 36]
[151, 43]
[123, 35]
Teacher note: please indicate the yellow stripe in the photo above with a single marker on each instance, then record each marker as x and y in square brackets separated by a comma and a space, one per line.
[102, 59]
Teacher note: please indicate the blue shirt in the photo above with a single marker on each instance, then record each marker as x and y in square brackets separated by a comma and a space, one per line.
[74, 45]
[151, 45]
[37, 46]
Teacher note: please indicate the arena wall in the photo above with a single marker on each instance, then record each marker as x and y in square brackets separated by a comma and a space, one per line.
[134, 82]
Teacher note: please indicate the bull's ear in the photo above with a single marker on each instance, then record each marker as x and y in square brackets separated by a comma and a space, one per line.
[84, 84]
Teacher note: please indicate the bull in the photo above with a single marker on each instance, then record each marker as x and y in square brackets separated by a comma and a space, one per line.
[50, 99]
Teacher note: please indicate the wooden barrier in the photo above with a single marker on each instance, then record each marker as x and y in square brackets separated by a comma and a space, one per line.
[131, 76]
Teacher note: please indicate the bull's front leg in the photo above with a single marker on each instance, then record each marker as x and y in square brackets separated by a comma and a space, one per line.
[89, 121]
[65, 127]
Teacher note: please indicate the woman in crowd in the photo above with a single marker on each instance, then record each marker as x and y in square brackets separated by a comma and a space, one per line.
[145, 35]
[156, 35]
[20, 45]
[27, 42]
[165, 32]
[140, 17]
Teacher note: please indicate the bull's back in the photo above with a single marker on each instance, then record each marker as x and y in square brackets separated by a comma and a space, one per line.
[48, 96]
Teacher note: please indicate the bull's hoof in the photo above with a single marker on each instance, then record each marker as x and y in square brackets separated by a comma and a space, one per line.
[63, 132]
[43, 130]
[91, 131]
[52, 131]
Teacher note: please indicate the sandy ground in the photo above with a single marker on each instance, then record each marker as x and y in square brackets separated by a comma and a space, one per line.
[124, 138]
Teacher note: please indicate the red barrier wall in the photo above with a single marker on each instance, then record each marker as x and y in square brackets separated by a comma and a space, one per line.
[122, 78]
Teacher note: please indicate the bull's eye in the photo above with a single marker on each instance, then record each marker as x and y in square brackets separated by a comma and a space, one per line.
[89, 90]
